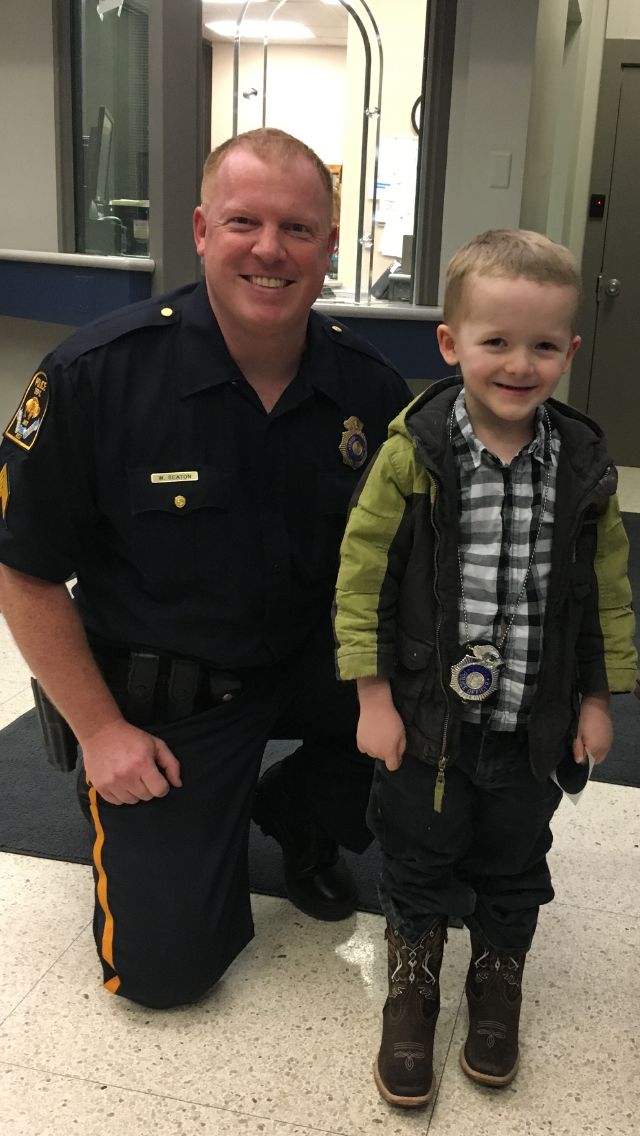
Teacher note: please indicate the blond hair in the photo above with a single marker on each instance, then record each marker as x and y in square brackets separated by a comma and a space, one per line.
[267, 143]
[508, 253]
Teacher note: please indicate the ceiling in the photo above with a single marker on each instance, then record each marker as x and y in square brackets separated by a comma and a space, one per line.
[328, 22]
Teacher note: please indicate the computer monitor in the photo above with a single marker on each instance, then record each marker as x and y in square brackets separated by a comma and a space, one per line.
[99, 159]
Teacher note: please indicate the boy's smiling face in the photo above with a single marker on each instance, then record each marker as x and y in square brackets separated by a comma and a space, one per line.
[512, 340]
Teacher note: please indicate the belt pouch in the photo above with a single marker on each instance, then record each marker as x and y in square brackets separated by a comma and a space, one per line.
[182, 688]
[141, 686]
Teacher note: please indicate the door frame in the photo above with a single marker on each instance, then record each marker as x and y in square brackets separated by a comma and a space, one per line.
[618, 53]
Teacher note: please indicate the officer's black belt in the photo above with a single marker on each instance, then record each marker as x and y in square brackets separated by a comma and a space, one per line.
[164, 688]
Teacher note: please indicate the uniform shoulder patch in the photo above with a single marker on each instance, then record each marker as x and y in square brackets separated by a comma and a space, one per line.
[26, 423]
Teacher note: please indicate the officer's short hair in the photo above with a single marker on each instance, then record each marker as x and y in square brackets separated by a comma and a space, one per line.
[267, 142]
[510, 253]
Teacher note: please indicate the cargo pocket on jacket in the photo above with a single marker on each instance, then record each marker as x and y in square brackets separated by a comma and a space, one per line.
[414, 676]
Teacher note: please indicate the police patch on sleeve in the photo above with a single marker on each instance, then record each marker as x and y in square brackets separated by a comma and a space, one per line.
[24, 427]
[353, 445]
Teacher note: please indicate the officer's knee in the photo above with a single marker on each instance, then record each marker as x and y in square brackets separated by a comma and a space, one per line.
[166, 999]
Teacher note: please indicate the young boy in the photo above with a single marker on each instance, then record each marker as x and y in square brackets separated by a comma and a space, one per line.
[483, 606]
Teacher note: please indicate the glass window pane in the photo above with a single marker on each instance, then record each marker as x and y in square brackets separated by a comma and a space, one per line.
[111, 125]
[330, 87]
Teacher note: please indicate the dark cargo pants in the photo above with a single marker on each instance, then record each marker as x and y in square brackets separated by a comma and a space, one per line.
[483, 858]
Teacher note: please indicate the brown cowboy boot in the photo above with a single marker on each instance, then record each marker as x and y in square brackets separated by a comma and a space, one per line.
[494, 995]
[403, 1070]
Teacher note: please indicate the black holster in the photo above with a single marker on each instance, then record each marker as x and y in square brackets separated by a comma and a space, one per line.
[59, 739]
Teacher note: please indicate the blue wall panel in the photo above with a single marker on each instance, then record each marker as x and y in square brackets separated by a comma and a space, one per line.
[66, 293]
[411, 345]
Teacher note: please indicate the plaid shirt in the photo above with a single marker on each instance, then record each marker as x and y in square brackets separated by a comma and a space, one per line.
[499, 516]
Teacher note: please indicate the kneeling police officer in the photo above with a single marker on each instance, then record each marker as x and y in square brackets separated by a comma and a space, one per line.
[191, 463]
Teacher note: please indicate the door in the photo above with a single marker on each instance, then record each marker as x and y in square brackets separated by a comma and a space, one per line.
[614, 384]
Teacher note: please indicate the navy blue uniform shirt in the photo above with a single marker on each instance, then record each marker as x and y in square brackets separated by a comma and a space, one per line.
[197, 524]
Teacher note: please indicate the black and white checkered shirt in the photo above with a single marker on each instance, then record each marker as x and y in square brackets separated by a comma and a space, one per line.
[499, 516]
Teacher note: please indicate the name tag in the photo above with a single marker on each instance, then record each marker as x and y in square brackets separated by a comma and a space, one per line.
[181, 475]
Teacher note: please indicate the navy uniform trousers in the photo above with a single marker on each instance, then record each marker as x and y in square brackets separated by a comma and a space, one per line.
[483, 857]
[172, 890]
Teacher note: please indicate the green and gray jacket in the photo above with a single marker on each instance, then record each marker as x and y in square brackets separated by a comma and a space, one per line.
[398, 585]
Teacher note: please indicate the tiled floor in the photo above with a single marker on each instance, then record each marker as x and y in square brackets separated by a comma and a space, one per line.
[283, 1045]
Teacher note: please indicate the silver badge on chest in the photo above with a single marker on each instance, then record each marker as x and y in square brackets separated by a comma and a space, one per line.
[476, 676]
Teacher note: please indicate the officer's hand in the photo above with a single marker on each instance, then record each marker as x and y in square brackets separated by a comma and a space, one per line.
[126, 765]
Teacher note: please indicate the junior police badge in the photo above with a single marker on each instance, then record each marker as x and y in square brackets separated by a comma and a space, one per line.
[353, 445]
[24, 427]
[476, 676]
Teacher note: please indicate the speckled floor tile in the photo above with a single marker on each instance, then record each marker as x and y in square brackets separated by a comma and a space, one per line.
[16, 705]
[603, 832]
[14, 679]
[14, 673]
[42, 1104]
[579, 1039]
[289, 1034]
[44, 905]
[15, 688]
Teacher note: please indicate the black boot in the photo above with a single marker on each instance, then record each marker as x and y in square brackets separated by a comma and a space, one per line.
[494, 994]
[317, 880]
[403, 1070]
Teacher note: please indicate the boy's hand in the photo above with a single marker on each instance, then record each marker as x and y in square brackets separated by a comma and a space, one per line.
[595, 733]
[380, 728]
[381, 735]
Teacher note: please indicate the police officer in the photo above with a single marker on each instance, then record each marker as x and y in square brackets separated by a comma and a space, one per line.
[191, 463]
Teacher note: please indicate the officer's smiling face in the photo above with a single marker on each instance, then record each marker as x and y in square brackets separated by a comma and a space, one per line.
[266, 236]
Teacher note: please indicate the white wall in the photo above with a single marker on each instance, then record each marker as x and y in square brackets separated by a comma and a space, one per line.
[548, 103]
[490, 104]
[562, 122]
[564, 102]
[624, 19]
[23, 345]
[305, 94]
[590, 47]
[554, 142]
[28, 207]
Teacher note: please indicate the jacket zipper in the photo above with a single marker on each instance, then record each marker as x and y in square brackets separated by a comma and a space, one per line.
[438, 793]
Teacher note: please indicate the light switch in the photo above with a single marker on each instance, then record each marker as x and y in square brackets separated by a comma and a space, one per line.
[500, 169]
